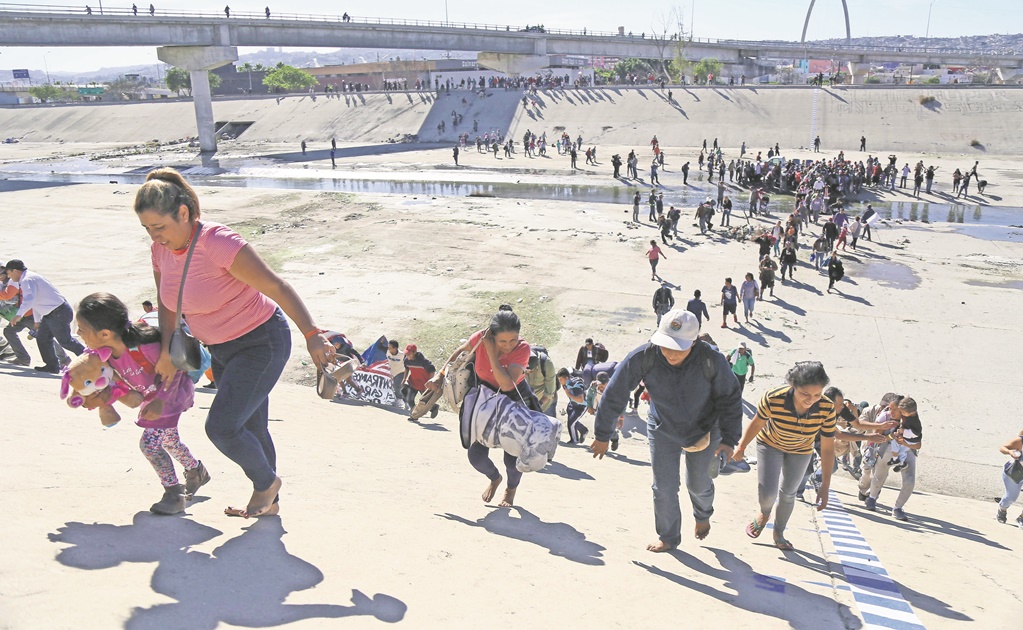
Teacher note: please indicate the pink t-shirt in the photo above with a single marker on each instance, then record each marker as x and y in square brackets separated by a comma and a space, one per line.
[519, 356]
[217, 306]
[654, 253]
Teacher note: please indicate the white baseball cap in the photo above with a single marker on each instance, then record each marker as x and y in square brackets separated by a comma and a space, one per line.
[678, 330]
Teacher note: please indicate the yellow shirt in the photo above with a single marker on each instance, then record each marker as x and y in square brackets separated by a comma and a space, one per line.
[788, 431]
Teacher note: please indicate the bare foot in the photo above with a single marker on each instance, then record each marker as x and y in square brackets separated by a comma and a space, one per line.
[659, 547]
[491, 489]
[702, 530]
[509, 497]
[262, 502]
[233, 511]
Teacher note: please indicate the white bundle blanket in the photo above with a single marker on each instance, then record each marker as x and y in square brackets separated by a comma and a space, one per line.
[496, 421]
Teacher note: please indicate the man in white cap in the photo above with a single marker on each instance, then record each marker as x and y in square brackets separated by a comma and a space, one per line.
[695, 407]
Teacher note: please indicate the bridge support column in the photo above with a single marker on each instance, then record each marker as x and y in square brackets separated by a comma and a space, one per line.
[513, 64]
[199, 60]
[858, 72]
[1009, 75]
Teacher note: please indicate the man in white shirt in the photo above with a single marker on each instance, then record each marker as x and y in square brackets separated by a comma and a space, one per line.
[51, 312]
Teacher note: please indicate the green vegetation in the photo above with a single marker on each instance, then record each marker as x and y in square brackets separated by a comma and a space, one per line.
[872, 80]
[927, 100]
[179, 80]
[706, 67]
[286, 78]
[54, 93]
[438, 338]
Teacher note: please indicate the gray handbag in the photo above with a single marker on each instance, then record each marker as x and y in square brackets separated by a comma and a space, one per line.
[185, 353]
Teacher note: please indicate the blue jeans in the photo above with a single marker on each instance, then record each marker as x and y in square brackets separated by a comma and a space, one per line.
[245, 370]
[1012, 490]
[56, 325]
[666, 459]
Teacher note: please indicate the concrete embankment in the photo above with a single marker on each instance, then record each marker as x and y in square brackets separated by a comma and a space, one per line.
[962, 120]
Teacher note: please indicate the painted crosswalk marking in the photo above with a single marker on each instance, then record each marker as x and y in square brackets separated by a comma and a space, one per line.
[878, 598]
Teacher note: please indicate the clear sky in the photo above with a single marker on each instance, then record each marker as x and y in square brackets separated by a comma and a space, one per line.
[739, 19]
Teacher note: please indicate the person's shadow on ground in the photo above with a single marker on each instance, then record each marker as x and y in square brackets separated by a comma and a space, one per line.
[746, 589]
[561, 539]
[243, 582]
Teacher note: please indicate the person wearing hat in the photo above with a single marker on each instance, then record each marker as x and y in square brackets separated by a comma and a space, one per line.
[695, 408]
[50, 311]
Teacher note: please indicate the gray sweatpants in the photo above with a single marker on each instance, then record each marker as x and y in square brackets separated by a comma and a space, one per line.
[873, 478]
[779, 475]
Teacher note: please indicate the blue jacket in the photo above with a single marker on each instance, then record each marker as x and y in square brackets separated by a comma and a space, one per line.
[685, 401]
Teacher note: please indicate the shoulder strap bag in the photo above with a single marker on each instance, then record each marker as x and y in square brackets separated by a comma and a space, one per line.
[185, 353]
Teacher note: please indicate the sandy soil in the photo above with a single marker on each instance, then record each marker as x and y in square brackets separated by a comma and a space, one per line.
[429, 269]
[928, 309]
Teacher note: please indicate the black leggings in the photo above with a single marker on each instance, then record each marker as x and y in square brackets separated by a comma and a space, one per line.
[636, 394]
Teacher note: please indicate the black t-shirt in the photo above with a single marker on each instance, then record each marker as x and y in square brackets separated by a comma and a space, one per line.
[912, 423]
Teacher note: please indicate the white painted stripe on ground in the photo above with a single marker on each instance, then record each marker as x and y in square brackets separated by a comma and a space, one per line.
[880, 603]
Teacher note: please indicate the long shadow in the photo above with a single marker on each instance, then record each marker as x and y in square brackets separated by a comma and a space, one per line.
[746, 589]
[24, 371]
[243, 582]
[749, 334]
[792, 308]
[918, 523]
[566, 472]
[625, 459]
[852, 298]
[802, 285]
[346, 152]
[777, 334]
[748, 409]
[560, 539]
[430, 426]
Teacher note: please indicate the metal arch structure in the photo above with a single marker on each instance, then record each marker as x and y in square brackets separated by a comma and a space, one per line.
[806, 22]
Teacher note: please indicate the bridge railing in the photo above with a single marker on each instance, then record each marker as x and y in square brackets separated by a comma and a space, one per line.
[143, 12]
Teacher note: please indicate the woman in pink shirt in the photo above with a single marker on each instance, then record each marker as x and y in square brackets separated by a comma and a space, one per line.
[231, 300]
[654, 254]
[500, 363]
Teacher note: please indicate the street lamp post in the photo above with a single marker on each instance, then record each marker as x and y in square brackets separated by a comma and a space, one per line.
[931, 6]
[46, 66]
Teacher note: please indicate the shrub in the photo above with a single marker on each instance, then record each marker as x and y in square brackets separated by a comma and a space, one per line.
[927, 100]
[975, 143]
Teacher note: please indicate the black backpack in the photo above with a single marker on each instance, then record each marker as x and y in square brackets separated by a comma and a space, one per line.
[839, 268]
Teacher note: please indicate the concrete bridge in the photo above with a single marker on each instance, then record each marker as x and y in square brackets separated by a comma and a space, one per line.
[199, 42]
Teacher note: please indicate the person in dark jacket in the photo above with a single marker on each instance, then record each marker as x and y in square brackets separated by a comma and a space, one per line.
[836, 270]
[695, 407]
[664, 301]
[590, 353]
[788, 260]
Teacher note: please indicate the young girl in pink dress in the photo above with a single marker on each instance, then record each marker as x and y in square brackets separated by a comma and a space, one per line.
[103, 325]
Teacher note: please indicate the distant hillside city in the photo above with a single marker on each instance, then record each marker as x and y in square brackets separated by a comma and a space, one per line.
[375, 69]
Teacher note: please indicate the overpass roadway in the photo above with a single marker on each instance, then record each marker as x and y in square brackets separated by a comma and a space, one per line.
[198, 42]
[70, 26]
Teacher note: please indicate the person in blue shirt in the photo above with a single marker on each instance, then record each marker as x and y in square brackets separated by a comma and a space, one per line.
[695, 408]
[697, 307]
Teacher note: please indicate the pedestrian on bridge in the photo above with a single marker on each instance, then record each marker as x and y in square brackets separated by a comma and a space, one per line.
[152, 10]
[134, 10]
[227, 11]
[268, 13]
